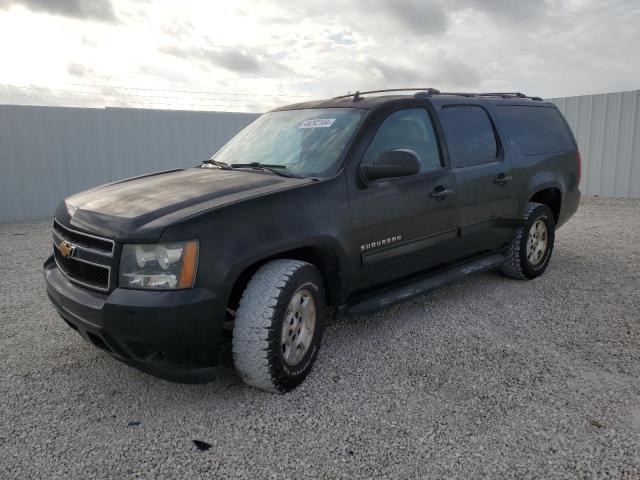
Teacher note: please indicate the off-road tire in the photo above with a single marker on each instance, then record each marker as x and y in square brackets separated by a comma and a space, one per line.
[257, 331]
[516, 264]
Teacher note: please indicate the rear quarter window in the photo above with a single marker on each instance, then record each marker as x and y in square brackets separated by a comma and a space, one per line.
[537, 130]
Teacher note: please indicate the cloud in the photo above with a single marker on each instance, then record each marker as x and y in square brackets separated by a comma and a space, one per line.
[415, 16]
[178, 28]
[390, 74]
[452, 72]
[523, 11]
[444, 72]
[78, 70]
[544, 47]
[419, 16]
[101, 10]
[235, 59]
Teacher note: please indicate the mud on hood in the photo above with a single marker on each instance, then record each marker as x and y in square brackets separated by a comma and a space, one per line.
[142, 207]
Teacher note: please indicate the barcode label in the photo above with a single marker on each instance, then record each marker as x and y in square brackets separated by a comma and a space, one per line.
[318, 123]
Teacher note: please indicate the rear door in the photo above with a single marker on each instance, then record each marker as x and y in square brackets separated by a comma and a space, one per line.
[402, 225]
[483, 176]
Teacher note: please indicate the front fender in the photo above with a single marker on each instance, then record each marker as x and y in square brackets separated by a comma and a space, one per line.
[328, 244]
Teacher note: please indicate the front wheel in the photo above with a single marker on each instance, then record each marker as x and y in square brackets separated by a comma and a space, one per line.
[279, 324]
[530, 250]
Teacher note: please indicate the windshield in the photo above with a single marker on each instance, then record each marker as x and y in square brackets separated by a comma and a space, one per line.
[307, 142]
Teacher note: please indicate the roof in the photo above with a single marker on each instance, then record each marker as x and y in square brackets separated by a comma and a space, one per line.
[373, 99]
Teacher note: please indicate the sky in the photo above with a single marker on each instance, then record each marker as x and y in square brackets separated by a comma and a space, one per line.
[253, 55]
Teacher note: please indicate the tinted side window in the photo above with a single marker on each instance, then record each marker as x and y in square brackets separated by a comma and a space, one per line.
[537, 130]
[470, 136]
[412, 129]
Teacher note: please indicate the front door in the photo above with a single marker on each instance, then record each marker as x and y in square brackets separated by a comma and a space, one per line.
[405, 224]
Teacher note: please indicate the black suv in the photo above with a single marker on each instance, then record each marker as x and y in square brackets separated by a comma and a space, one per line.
[314, 210]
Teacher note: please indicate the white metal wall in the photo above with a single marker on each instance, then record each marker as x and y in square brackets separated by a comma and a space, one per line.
[48, 153]
[607, 128]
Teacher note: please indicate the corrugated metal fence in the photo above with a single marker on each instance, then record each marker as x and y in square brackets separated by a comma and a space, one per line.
[607, 128]
[47, 153]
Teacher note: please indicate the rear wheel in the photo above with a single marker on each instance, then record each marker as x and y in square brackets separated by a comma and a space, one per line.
[530, 250]
[279, 324]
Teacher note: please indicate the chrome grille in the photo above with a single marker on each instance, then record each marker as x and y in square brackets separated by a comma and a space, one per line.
[90, 260]
[85, 240]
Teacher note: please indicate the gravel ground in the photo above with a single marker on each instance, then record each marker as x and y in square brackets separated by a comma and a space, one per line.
[488, 377]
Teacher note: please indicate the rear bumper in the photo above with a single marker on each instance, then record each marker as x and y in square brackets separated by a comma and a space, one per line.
[569, 206]
[174, 335]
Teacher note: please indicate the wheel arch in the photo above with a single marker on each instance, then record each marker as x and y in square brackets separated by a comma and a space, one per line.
[551, 196]
[547, 188]
[323, 257]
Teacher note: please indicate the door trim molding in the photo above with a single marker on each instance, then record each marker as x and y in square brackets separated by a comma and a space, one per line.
[489, 223]
[409, 246]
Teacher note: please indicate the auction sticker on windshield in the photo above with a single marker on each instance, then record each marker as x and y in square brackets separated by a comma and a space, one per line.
[318, 123]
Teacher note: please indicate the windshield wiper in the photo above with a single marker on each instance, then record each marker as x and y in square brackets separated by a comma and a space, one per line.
[277, 169]
[221, 165]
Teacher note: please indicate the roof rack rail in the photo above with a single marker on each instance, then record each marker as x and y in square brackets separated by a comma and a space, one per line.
[493, 94]
[356, 96]
[420, 92]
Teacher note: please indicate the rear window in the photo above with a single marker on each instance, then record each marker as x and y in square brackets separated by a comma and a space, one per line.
[537, 130]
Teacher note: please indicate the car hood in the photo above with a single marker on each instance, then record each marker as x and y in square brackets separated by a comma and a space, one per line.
[141, 207]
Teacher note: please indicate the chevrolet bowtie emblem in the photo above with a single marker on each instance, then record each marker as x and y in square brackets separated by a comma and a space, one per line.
[66, 249]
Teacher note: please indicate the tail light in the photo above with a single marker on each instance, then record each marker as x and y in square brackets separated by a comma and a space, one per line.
[579, 173]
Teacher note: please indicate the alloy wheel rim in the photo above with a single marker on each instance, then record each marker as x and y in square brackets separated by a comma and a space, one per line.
[298, 327]
[537, 242]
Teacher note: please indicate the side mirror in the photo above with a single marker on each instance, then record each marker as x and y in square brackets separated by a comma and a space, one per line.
[392, 163]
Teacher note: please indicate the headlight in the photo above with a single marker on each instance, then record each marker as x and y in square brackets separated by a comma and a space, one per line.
[164, 266]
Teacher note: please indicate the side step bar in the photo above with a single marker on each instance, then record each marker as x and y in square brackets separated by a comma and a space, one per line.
[421, 285]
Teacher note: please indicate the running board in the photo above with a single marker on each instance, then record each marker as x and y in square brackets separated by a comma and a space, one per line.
[421, 285]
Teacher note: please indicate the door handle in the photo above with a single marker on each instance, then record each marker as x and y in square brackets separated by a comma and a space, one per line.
[501, 179]
[440, 192]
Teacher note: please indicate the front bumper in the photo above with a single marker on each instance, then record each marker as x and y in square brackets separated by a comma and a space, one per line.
[175, 335]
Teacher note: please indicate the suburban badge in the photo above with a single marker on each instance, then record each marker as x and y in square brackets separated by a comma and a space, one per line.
[380, 243]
